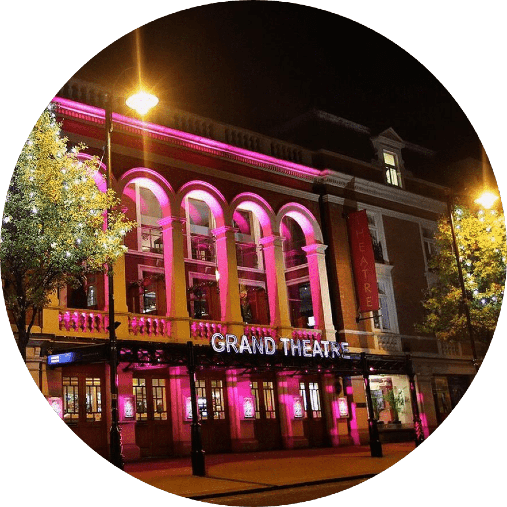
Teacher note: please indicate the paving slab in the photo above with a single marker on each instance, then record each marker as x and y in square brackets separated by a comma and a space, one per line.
[232, 473]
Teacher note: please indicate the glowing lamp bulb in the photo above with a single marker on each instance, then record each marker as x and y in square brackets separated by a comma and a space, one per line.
[142, 102]
[487, 199]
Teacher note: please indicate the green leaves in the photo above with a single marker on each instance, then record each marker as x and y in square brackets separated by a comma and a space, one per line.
[53, 228]
[482, 249]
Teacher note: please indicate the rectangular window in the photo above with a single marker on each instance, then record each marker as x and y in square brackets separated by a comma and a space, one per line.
[70, 399]
[139, 391]
[202, 404]
[159, 399]
[313, 387]
[375, 237]
[269, 399]
[393, 176]
[382, 319]
[217, 397]
[254, 389]
[430, 248]
[93, 400]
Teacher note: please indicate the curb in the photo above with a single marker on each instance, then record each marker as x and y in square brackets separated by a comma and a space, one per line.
[280, 487]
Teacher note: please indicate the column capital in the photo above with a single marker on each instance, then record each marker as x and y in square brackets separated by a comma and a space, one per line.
[221, 232]
[315, 248]
[273, 240]
[168, 222]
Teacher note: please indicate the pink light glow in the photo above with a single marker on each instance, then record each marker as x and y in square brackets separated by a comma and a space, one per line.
[424, 422]
[202, 191]
[354, 429]
[148, 179]
[259, 207]
[305, 219]
[158, 130]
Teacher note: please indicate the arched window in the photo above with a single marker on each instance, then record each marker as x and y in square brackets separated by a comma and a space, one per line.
[297, 275]
[144, 263]
[200, 261]
[251, 267]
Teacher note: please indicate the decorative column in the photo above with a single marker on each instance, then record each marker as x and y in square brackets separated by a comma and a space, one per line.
[320, 290]
[120, 298]
[174, 272]
[228, 282]
[277, 288]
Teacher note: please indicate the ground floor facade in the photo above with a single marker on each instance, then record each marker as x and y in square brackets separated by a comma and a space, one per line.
[250, 405]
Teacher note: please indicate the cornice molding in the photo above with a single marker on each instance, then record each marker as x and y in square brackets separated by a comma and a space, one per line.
[385, 192]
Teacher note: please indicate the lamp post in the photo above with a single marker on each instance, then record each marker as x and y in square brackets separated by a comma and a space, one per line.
[486, 200]
[141, 102]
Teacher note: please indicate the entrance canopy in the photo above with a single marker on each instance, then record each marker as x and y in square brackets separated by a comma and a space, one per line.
[143, 353]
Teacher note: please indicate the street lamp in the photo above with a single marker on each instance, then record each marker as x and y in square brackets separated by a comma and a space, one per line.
[140, 102]
[486, 200]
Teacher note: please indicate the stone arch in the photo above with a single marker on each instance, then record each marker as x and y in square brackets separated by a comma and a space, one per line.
[257, 205]
[154, 182]
[305, 219]
[204, 192]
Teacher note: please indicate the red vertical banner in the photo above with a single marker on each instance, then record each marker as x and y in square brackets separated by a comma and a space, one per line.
[363, 261]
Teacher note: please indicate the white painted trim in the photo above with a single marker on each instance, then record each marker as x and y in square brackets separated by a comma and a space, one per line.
[387, 192]
[384, 211]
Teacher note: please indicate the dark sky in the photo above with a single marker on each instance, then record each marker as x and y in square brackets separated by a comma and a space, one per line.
[258, 64]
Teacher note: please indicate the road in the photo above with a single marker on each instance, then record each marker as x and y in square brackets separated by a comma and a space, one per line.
[285, 496]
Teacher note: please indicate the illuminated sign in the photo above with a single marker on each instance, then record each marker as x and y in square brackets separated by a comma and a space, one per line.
[267, 346]
[67, 357]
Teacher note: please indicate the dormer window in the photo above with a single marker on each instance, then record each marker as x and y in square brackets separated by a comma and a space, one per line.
[393, 176]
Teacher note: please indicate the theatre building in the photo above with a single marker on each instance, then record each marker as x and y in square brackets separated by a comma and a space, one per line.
[244, 266]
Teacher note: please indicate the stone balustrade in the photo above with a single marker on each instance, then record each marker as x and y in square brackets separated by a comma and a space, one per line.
[89, 93]
[205, 329]
[306, 334]
[83, 321]
[149, 326]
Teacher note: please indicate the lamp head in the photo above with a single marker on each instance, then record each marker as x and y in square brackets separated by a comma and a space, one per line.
[487, 199]
[142, 102]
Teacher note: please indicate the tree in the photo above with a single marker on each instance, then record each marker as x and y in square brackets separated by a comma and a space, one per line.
[53, 229]
[483, 251]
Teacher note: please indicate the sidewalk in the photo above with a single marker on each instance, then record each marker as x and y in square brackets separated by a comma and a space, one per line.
[262, 471]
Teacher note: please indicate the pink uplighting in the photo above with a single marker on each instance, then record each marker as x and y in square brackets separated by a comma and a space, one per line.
[148, 179]
[155, 130]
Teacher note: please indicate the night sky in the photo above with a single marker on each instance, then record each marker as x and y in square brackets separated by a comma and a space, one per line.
[259, 64]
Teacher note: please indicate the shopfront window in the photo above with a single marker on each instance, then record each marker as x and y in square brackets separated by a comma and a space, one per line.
[391, 399]
[217, 396]
[93, 399]
[202, 403]
[269, 399]
[159, 399]
[70, 399]
[139, 391]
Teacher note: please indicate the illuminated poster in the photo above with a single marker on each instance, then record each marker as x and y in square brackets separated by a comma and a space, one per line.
[188, 408]
[127, 408]
[248, 408]
[56, 405]
[343, 407]
[363, 261]
[298, 407]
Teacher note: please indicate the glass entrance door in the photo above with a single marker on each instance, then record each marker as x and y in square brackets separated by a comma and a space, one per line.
[153, 423]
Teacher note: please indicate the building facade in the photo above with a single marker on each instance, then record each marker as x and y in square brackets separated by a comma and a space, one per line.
[242, 249]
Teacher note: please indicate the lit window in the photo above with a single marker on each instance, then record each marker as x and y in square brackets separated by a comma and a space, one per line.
[393, 176]
[385, 319]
